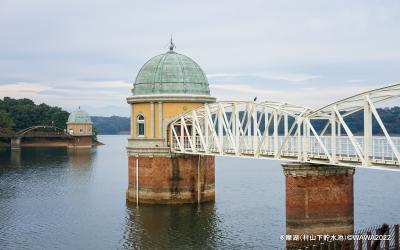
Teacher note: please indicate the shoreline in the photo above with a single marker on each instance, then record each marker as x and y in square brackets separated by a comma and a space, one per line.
[45, 144]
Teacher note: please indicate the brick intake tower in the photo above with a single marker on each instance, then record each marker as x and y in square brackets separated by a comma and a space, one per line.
[167, 86]
[80, 127]
[319, 200]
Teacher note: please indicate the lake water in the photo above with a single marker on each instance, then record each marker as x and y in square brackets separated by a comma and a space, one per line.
[60, 199]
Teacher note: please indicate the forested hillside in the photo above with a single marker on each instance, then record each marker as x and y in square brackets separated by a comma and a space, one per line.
[111, 125]
[390, 118]
[17, 114]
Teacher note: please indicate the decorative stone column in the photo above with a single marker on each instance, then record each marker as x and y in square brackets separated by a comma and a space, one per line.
[151, 119]
[160, 120]
[319, 200]
[133, 122]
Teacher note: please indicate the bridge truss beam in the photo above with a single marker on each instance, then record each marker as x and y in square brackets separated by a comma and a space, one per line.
[283, 131]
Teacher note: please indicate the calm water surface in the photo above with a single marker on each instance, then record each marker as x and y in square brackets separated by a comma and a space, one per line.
[60, 199]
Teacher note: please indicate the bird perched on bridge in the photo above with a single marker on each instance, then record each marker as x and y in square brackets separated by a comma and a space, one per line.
[255, 99]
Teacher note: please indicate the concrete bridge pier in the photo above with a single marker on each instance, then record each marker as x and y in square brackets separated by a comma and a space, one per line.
[319, 200]
[15, 143]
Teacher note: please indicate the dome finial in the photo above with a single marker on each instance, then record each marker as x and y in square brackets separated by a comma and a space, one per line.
[172, 45]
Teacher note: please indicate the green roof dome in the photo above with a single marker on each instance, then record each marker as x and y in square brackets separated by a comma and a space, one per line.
[79, 116]
[171, 73]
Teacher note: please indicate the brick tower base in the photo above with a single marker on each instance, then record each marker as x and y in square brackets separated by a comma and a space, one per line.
[319, 200]
[171, 179]
[81, 142]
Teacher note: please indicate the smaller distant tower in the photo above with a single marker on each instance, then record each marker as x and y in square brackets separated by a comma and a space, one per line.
[79, 125]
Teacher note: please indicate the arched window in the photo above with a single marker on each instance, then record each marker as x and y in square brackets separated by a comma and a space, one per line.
[140, 125]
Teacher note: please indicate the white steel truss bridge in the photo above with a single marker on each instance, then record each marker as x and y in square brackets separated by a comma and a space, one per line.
[286, 132]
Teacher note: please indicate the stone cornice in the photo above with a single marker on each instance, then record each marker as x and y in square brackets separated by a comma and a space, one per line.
[170, 98]
[301, 169]
[80, 123]
[149, 152]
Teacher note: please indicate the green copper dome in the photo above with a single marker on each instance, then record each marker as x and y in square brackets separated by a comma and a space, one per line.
[171, 73]
[79, 116]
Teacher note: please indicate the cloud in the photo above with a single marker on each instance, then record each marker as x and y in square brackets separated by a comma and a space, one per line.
[114, 84]
[271, 76]
[112, 95]
[242, 88]
[71, 52]
[313, 97]
[22, 89]
[354, 81]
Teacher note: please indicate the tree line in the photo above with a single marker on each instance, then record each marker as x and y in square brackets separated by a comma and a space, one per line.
[17, 114]
[389, 116]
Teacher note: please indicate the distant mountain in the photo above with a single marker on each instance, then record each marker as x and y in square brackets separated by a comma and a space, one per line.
[107, 111]
[17, 114]
[111, 125]
[390, 116]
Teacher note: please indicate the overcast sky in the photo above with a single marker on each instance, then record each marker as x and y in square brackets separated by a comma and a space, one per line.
[70, 53]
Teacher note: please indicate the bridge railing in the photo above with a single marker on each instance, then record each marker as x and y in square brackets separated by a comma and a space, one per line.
[382, 152]
[35, 131]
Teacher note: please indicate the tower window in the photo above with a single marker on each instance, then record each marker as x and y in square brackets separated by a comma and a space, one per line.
[140, 125]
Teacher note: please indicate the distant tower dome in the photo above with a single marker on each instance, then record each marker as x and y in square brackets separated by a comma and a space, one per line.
[171, 73]
[79, 116]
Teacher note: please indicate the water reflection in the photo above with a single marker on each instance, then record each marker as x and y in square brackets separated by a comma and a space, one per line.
[42, 192]
[81, 158]
[47, 157]
[41, 172]
[60, 199]
[171, 227]
[15, 158]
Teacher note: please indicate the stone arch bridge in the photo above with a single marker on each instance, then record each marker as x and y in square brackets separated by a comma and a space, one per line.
[38, 131]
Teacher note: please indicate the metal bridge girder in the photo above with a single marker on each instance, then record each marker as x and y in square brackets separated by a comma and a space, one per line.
[284, 131]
